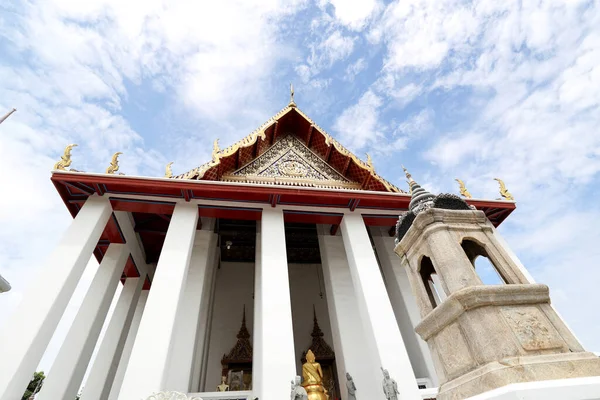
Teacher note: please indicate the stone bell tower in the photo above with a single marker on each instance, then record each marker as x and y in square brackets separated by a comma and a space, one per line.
[482, 337]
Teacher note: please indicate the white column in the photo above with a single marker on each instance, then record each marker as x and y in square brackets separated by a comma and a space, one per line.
[205, 322]
[382, 334]
[126, 353]
[149, 362]
[348, 339]
[276, 359]
[102, 373]
[188, 315]
[404, 305]
[26, 335]
[69, 367]
[257, 348]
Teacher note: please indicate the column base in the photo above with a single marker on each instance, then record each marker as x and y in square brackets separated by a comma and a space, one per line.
[560, 389]
[513, 370]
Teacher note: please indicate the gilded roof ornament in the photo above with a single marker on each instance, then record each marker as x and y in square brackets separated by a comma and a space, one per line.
[65, 159]
[216, 149]
[168, 171]
[463, 189]
[114, 163]
[370, 163]
[503, 191]
[292, 102]
[198, 172]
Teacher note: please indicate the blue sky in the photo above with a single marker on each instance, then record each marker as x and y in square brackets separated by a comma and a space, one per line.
[449, 88]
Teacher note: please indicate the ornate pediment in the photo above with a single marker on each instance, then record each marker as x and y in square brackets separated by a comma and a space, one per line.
[290, 162]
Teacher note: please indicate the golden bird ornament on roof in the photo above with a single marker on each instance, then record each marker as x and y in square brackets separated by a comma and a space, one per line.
[463, 189]
[114, 163]
[65, 159]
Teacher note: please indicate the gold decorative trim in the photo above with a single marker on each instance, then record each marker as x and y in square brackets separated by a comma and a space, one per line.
[114, 163]
[328, 184]
[503, 191]
[168, 170]
[463, 189]
[65, 160]
[329, 140]
[198, 173]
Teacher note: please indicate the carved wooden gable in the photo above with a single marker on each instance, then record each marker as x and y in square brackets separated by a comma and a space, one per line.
[290, 162]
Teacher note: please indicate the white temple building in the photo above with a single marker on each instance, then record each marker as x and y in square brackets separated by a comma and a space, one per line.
[282, 243]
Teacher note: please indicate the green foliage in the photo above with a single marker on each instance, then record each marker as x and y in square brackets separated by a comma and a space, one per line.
[35, 385]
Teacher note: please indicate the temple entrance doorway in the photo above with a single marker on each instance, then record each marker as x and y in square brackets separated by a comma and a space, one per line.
[228, 350]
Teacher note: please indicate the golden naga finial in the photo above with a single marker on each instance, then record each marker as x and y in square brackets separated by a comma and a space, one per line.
[65, 159]
[503, 191]
[292, 103]
[114, 163]
[216, 149]
[463, 189]
[168, 171]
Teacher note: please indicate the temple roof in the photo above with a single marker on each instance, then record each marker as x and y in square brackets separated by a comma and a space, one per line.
[309, 157]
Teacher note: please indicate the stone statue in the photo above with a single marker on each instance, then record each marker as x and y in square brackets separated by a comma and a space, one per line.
[390, 387]
[351, 387]
[313, 378]
[223, 387]
[298, 392]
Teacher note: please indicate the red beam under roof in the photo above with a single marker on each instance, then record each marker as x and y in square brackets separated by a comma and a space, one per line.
[75, 188]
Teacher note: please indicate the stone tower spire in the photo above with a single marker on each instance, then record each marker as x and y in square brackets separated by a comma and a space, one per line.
[482, 337]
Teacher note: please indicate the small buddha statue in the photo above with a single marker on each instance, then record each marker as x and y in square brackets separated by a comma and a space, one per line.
[312, 376]
[223, 387]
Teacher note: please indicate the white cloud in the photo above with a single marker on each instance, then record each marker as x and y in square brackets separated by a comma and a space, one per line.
[336, 47]
[530, 83]
[68, 71]
[359, 125]
[354, 14]
[325, 52]
[417, 123]
[354, 69]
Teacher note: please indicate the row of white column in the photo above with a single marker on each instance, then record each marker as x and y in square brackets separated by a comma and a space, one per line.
[143, 334]
[366, 334]
[172, 333]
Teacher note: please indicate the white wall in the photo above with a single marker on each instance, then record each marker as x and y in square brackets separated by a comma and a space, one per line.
[304, 289]
[234, 287]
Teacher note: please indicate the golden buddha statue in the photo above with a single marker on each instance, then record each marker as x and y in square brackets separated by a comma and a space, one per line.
[312, 376]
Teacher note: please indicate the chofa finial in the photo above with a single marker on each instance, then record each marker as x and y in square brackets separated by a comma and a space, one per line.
[114, 163]
[503, 191]
[292, 102]
[463, 189]
[168, 170]
[370, 162]
[65, 159]
[216, 149]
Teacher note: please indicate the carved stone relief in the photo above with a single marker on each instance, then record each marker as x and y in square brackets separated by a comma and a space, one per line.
[531, 328]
